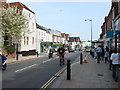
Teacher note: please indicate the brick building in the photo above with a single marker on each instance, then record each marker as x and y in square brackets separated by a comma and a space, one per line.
[111, 23]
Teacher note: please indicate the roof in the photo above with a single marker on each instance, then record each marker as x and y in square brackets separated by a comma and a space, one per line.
[20, 6]
[64, 35]
[40, 27]
[72, 39]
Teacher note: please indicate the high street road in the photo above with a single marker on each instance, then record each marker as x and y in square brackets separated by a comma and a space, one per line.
[33, 73]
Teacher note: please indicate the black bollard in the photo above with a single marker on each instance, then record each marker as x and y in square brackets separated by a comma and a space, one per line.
[17, 51]
[81, 58]
[68, 70]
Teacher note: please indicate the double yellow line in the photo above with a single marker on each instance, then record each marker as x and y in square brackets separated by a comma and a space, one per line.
[52, 78]
[55, 76]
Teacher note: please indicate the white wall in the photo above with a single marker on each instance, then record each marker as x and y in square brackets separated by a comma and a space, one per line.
[31, 32]
[63, 40]
[74, 44]
[48, 37]
[40, 34]
[57, 35]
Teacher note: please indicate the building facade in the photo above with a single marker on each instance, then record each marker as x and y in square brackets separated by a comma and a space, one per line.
[74, 42]
[110, 25]
[56, 39]
[27, 44]
[44, 39]
[64, 38]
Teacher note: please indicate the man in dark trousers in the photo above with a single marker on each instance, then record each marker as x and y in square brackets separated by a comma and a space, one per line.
[99, 51]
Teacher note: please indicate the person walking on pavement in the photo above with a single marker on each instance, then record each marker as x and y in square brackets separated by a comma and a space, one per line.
[99, 51]
[93, 52]
[102, 53]
[106, 55]
[115, 64]
[110, 61]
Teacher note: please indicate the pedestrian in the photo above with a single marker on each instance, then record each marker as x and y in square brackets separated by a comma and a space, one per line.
[50, 52]
[106, 54]
[37, 53]
[98, 51]
[110, 61]
[93, 52]
[115, 64]
[102, 54]
[0, 60]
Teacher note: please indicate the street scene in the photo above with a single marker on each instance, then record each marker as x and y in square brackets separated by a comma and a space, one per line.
[59, 44]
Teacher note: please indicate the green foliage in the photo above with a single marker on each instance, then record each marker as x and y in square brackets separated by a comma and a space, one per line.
[12, 22]
[10, 49]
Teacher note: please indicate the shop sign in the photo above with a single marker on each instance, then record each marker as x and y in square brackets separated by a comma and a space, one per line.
[110, 34]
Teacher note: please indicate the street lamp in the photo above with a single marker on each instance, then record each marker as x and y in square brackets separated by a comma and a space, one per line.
[91, 29]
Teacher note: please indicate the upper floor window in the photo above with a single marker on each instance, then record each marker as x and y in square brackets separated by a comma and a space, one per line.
[26, 40]
[33, 40]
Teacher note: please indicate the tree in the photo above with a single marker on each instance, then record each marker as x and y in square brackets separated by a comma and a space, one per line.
[13, 24]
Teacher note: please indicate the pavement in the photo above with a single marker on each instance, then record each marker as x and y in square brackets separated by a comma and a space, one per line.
[22, 58]
[87, 75]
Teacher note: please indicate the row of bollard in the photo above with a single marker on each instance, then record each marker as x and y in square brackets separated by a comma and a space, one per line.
[69, 67]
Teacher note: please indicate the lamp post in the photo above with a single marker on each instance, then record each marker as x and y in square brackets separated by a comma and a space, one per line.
[91, 29]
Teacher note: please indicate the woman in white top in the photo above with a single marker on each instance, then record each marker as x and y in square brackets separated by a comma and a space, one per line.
[115, 64]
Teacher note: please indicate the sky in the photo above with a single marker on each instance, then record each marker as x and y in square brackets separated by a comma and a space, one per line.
[69, 17]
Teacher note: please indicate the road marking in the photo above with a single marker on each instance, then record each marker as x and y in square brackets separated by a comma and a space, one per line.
[54, 77]
[26, 68]
[47, 60]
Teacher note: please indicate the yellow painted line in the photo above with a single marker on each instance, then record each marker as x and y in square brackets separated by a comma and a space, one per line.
[54, 77]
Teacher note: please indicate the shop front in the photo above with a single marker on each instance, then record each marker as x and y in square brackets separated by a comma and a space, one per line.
[44, 46]
[55, 46]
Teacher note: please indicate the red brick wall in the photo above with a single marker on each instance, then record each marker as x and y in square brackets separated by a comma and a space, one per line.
[115, 6]
[109, 21]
